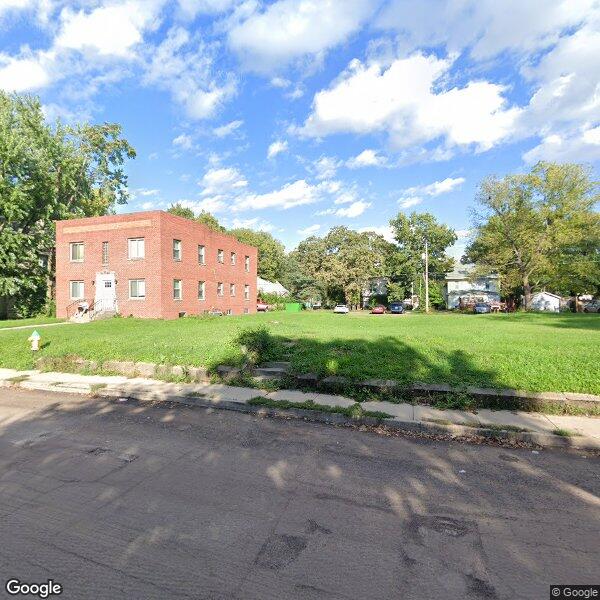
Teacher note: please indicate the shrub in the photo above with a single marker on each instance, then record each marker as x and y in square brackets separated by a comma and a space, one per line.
[257, 342]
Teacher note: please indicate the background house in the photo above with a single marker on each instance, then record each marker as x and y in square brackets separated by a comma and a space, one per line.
[462, 286]
[545, 301]
[270, 287]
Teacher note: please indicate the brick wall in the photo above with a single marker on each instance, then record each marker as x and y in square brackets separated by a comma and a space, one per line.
[157, 267]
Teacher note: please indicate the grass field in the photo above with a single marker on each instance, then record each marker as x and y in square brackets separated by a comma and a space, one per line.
[34, 321]
[535, 352]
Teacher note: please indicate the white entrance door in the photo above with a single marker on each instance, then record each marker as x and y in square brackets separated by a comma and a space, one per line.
[106, 296]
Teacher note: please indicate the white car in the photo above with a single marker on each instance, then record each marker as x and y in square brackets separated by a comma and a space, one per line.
[341, 309]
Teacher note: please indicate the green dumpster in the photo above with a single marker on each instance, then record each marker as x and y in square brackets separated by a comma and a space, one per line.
[293, 307]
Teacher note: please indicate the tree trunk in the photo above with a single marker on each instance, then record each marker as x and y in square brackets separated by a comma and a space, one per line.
[526, 292]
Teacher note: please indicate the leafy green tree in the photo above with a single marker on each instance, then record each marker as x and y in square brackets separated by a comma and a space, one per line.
[271, 252]
[343, 261]
[204, 217]
[539, 229]
[405, 265]
[49, 173]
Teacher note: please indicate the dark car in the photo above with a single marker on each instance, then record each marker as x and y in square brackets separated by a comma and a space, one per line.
[396, 308]
[482, 308]
[378, 310]
[592, 307]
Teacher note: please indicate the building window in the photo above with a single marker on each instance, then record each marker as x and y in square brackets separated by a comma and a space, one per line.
[219, 289]
[136, 248]
[76, 290]
[76, 251]
[105, 253]
[246, 311]
[229, 311]
[233, 259]
[246, 292]
[220, 256]
[232, 289]
[247, 264]
[177, 292]
[201, 255]
[137, 289]
[176, 249]
[201, 290]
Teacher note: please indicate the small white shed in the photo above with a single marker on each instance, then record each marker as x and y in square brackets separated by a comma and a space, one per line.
[545, 301]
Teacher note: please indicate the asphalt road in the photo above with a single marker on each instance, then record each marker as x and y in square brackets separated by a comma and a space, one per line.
[118, 500]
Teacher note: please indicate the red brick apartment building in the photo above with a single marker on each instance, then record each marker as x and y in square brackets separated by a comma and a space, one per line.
[151, 264]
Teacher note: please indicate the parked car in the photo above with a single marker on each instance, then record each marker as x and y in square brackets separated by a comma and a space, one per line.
[317, 306]
[378, 310]
[341, 309]
[397, 308]
[482, 308]
[592, 307]
[262, 307]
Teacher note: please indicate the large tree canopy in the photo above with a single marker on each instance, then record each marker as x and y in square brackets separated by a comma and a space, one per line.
[204, 217]
[539, 230]
[271, 252]
[343, 261]
[49, 173]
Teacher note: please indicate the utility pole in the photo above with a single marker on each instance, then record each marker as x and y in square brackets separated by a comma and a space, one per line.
[426, 277]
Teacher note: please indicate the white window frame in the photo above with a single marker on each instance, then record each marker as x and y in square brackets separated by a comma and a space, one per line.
[201, 254]
[175, 281]
[177, 248]
[220, 256]
[233, 259]
[72, 245]
[202, 290]
[246, 291]
[220, 289]
[232, 290]
[82, 289]
[247, 264]
[131, 296]
[136, 243]
[105, 250]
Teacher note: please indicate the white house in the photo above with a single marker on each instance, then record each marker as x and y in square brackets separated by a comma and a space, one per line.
[545, 301]
[463, 287]
[268, 287]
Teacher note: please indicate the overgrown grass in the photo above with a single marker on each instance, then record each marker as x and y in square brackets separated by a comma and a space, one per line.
[354, 412]
[534, 352]
[565, 432]
[33, 321]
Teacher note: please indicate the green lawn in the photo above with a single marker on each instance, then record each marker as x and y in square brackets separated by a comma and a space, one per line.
[33, 321]
[524, 351]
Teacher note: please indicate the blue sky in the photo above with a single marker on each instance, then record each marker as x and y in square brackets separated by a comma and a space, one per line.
[297, 115]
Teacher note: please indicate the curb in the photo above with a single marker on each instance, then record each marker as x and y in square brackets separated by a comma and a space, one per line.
[418, 427]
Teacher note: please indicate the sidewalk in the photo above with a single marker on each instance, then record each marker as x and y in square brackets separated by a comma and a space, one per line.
[582, 432]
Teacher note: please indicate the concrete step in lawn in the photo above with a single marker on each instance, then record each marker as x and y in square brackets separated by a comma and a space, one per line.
[541, 429]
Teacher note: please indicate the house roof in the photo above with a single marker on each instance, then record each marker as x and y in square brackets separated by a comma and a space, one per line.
[464, 272]
[270, 287]
[547, 294]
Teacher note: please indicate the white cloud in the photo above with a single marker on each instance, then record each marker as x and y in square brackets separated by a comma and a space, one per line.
[410, 201]
[382, 230]
[146, 192]
[280, 82]
[193, 8]
[406, 100]
[293, 194]
[326, 167]
[276, 148]
[255, 223]
[182, 64]
[24, 74]
[355, 209]
[228, 128]
[291, 29]
[153, 156]
[436, 188]
[463, 233]
[367, 158]
[111, 30]
[222, 181]
[310, 229]
[582, 146]
[183, 141]
[486, 27]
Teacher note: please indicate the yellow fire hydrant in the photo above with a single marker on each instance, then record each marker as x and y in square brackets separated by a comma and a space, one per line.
[35, 338]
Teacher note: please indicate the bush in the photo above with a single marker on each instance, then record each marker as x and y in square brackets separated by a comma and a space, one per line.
[258, 344]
